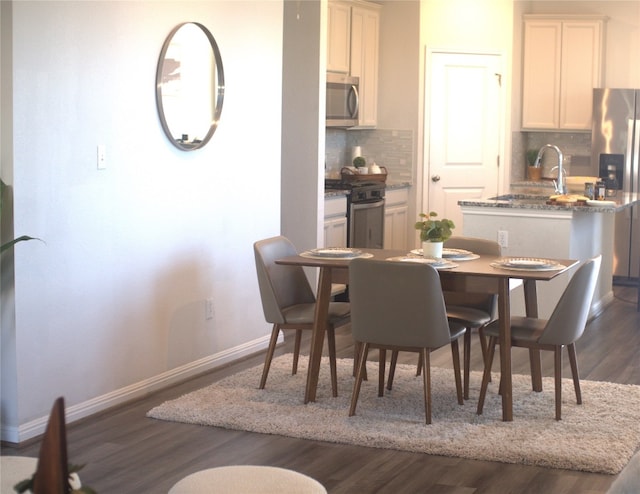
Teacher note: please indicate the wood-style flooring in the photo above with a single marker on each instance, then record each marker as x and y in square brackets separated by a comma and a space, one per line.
[127, 453]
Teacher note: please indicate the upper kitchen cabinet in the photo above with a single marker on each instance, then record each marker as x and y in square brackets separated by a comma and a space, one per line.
[353, 38]
[562, 63]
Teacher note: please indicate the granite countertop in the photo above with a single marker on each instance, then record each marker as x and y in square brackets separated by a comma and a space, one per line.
[538, 202]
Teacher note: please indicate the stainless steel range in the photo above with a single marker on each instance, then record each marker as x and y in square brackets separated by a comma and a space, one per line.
[365, 212]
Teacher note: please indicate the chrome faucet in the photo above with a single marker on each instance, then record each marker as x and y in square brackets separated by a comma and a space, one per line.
[559, 183]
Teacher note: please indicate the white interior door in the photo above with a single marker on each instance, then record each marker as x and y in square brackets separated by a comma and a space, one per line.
[463, 131]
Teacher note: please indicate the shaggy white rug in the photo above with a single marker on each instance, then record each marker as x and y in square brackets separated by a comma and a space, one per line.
[601, 435]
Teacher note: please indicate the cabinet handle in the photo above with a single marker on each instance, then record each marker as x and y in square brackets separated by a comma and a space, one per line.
[435, 178]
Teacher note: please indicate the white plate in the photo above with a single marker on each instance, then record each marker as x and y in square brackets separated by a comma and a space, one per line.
[436, 263]
[341, 252]
[601, 203]
[454, 254]
[527, 264]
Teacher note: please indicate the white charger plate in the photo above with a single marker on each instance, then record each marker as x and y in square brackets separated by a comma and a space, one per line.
[436, 263]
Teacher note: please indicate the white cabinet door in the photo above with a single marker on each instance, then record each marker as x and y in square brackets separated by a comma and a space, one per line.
[339, 37]
[396, 219]
[335, 221]
[365, 26]
[562, 64]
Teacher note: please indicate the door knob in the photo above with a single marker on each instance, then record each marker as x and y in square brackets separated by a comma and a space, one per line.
[435, 178]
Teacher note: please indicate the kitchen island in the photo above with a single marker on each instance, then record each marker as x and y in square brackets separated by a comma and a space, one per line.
[529, 226]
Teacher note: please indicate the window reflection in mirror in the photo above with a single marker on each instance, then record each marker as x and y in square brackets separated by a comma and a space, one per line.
[189, 86]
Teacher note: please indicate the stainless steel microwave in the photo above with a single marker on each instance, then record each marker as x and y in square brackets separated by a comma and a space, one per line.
[342, 100]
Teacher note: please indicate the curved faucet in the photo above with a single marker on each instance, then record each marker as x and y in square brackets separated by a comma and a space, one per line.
[559, 183]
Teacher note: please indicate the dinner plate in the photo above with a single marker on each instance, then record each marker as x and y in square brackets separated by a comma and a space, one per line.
[436, 263]
[331, 252]
[601, 203]
[527, 264]
[455, 254]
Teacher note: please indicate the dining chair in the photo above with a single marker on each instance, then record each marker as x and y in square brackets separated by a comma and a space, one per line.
[473, 310]
[289, 303]
[399, 306]
[563, 328]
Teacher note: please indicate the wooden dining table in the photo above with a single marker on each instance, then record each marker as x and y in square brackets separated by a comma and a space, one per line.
[476, 276]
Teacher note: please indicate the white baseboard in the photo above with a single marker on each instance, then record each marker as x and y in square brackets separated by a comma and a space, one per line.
[90, 407]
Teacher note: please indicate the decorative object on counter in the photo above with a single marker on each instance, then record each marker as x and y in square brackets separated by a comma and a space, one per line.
[359, 162]
[374, 169]
[576, 185]
[350, 175]
[534, 173]
[433, 233]
[600, 191]
[356, 151]
[589, 190]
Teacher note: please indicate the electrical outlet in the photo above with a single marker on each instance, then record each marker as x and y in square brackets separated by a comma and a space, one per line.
[208, 309]
[503, 238]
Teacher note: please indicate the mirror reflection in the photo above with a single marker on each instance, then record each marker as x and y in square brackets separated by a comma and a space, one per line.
[189, 86]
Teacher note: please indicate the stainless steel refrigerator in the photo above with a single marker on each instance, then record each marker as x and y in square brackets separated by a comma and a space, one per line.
[615, 148]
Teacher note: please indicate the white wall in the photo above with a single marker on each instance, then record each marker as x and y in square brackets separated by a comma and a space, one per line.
[112, 304]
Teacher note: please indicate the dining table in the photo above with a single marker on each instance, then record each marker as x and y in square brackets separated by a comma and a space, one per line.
[481, 274]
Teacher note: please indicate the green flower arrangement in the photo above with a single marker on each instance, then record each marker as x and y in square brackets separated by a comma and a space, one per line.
[433, 230]
[75, 486]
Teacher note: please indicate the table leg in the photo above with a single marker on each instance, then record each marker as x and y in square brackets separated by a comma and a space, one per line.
[531, 307]
[317, 336]
[504, 314]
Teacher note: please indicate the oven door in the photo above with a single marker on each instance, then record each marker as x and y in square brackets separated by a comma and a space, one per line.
[366, 224]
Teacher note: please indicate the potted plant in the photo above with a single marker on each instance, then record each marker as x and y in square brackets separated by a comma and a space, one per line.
[533, 172]
[10, 243]
[433, 233]
[360, 163]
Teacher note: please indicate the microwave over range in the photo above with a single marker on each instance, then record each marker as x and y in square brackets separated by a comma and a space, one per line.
[342, 100]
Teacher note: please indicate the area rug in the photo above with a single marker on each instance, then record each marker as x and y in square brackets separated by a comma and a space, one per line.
[601, 435]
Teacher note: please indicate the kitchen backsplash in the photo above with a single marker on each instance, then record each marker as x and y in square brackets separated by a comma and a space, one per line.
[575, 147]
[392, 149]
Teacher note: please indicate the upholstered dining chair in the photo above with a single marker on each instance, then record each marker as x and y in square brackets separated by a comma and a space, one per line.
[563, 328]
[473, 310]
[289, 303]
[399, 306]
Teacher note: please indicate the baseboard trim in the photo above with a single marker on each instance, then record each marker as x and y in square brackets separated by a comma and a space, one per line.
[34, 428]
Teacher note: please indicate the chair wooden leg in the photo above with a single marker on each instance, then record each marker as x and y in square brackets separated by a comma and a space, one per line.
[467, 361]
[267, 361]
[331, 343]
[488, 363]
[419, 369]
[425, 358]
[557, 364]
[362, 362]
[392, 368]
[483, 346]
[382, 361]
[357, 349]
[296, 351]
[455, 353]
[573, 360]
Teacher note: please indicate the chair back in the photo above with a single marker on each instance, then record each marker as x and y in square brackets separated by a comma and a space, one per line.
[397, 304]
[569, 318]
[482, 301]
[281, 286]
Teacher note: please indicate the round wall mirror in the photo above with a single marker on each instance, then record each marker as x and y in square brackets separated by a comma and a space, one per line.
[189, 86]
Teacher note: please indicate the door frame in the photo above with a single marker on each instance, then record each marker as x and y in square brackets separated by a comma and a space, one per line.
[504, 146]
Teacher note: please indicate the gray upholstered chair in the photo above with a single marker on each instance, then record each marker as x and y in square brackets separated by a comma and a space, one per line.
[399, 306]
[563, 328]
[473, 310]
[289, 303]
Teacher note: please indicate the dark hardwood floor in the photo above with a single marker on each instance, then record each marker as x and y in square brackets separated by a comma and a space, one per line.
[125, 452]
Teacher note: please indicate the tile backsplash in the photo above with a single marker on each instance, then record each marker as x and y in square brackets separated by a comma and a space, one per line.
[392, 149]
[575, 147]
